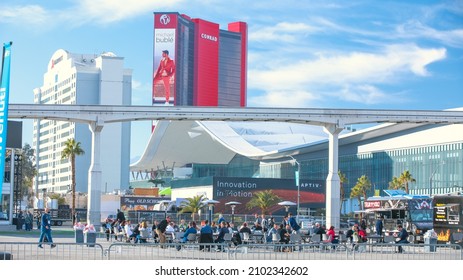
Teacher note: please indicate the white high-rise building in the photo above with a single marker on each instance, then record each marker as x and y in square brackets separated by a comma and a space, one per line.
[82, 79]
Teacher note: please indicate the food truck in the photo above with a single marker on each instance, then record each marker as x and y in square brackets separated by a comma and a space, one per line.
[414, 212]
[448, 218]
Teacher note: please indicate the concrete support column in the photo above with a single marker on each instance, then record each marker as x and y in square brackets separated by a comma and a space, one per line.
[333, 193]
[94, 176]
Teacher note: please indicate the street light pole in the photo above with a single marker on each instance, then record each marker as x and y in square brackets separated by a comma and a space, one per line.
[297, 174]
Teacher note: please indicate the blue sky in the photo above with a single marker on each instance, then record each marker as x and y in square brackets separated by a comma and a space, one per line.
[306, 54]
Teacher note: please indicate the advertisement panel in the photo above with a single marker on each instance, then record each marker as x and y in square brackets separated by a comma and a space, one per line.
[139, 203]
[165, 32]
[226, 189]
[4, 99]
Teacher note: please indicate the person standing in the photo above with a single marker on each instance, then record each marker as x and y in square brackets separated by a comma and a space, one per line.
[29, 220]
[161, 230]
[120, 216]
[379, 226]
[165, 72]
[293, 223]
[45, 229]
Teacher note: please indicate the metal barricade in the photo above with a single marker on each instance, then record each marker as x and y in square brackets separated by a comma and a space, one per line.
[408, 251]
[168, 251]
[62, 251]
[227, 251]
[291, 252]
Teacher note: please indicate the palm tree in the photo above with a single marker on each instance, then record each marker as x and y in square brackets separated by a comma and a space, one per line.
[264, 200]
[342, 180]
[395, 184]
[360, 189]
[405, 178]
[192, 204]
[70, 151]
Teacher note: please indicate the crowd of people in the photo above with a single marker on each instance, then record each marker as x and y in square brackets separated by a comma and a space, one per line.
[268, 229]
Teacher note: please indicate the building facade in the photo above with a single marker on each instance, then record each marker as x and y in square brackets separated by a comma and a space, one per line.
[431, 153]
[207, 66]
[82, 79]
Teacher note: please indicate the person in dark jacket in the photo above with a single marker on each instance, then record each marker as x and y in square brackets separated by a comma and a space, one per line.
[293, 223]
[45, 229]
[220, 238]
[379, 225]
[161, 230]
[401, 237]
[120, 217]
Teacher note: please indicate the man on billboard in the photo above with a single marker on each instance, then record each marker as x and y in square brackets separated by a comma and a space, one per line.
[165, 73]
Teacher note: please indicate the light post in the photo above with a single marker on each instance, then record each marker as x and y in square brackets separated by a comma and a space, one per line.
[210, 203]
[233, 205]
[297, 173]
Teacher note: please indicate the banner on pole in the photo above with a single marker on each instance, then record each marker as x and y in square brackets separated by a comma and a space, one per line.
[4, 94]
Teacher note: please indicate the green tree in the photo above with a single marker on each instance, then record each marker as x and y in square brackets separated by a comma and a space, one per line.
[192, 204]
[263, 200]
[395, 184]
[342, 181]
[70, 151]
[405, 178]
[360, 189]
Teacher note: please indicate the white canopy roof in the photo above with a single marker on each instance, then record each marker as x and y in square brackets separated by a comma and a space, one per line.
[176, 143]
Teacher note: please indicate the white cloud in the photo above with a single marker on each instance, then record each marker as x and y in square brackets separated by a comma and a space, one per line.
[282, 32]
[285, 98]
[416, 29]
[83, 11]
[107, 11]
[360, 71]
[354, 67]
[368, 94]
[26, 15]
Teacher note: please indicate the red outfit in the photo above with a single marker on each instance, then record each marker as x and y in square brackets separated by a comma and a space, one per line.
[165, 71]
[331, 235]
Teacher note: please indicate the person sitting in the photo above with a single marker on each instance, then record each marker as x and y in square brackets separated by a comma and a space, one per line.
[143, 227]
[331, 236]
[206, 235]
[220, 238]
[401, 237]
[284, 236]
[191, 229]
[128, 231]
[271, 232]
[244, 228]
[350, 234]
[257, 227]
[214, 227]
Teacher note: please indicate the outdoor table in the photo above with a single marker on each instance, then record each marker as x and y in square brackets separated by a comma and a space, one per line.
[374, 237]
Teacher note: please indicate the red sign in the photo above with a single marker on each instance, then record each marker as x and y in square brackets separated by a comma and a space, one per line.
[372, 204]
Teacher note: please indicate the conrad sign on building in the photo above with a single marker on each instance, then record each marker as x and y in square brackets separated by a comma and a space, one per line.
[195, 63]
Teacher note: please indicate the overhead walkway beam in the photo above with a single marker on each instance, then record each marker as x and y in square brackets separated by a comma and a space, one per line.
[333, 120]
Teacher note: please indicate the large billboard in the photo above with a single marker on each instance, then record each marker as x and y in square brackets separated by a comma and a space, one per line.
[226, 189]
[165, 33]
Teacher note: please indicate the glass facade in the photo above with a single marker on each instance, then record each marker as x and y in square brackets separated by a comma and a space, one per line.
[229, 68]
[438, 168]
[185, 61]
